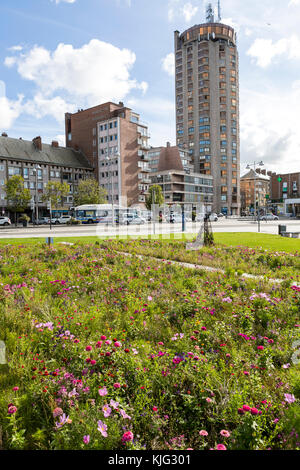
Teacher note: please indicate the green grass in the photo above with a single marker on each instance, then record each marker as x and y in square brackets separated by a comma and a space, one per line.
[252, 240]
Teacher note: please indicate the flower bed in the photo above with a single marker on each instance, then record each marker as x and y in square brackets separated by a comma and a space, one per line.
[241, 259]
[106, 352]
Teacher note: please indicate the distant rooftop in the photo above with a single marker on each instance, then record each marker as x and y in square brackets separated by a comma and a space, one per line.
[19, 149]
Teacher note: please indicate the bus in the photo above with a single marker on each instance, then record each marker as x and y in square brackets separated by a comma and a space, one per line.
[102, 213]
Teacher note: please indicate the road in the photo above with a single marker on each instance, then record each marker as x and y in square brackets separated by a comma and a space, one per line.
[223, 225]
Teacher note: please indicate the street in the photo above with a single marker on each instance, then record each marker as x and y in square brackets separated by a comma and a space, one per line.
[223, 225]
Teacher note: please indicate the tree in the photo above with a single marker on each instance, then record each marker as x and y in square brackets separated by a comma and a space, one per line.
[18, 197]
[89, 192]
[155, 196]
[55, 192]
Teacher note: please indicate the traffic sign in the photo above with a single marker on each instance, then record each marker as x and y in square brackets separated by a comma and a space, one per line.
[267, 196]
[279, 179]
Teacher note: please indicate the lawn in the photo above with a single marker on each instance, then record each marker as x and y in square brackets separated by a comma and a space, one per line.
[107, 352]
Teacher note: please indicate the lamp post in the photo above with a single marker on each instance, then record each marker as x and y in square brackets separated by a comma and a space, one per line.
[256, 210]
[35, 170]
[111, 183]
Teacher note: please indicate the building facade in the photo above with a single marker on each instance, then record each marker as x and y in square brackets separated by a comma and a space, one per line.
[255, 186]
[285, 193]
[39, 163]
[115, 142]
[207, 107]
[172, 169]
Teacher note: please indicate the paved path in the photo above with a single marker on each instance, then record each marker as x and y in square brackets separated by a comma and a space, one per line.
[207, 268]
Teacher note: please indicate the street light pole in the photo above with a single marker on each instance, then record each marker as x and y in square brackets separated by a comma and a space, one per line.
[256, 210]
[36, 194]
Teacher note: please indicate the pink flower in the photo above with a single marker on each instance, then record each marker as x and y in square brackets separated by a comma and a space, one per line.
[12, 409]
[103, 337]
[225, 433]
[246, 372]
[102, 428]
[221, 447]
[254, 411]
[127, 436]
[88, 348]
[203, 433]
[203, 328]
[106, 411]
[117, 344]
[86, 439]
[246, 408]
[102, 391]
[117, 385]
[93, 362]
[261, 348]
[57, 412]
[209, 400]
[15, 389]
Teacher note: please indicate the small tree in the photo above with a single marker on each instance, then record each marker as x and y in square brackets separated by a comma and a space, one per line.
[18, 197]
[155, 196]
[89, 192]
[55, 192]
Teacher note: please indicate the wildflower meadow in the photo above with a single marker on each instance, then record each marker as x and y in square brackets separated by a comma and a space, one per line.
[109, 352]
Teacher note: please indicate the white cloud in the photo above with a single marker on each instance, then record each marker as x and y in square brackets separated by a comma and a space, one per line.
[293, 2]
[175, 10]
[265, 50]
[269, 127]
[40, 107]
[17, 48]
[189, 11]
[168, 64]
[61, 139]
[9, 110]
[63, 1]
[90, 75]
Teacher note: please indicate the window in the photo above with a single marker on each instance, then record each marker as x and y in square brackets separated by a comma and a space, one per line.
[26, 173]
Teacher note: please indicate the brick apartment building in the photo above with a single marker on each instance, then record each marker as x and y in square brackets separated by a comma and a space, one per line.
[285, 193]
[115, 142]
[39, 163]
[172, 169]
[255, 187]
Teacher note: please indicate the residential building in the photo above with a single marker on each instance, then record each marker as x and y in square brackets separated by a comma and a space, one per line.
[115, 142]
[285, 193]
[207, 106]
[171, 168]
[255, 186]
[39, 163]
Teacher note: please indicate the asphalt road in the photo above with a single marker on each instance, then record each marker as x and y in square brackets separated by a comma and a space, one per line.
[223, 225]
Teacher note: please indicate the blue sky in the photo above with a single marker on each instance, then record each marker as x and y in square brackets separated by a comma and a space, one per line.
[61, 55]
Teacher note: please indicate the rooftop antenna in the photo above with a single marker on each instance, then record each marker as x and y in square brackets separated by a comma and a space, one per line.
[209, 14]
[219, 11]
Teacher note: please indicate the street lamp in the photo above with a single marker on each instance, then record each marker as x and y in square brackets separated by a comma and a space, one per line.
[35, 170]
[111, 183]
[256, 210]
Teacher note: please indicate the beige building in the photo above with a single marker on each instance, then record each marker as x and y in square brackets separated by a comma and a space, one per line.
[172, 169]
[207, 107]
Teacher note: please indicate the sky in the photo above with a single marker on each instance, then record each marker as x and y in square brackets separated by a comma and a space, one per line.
[59, 56]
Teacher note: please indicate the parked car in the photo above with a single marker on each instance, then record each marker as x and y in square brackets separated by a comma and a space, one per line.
[5, 221]
[269, 217]
[136, 221]
[212, 217]
[64, 219]
[221, 215]
[42, 221]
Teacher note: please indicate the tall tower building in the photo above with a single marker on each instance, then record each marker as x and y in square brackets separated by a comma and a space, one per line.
[207, 106]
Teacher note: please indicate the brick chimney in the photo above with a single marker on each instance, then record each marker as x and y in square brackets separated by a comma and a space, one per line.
[37, 141]
[168, 144]
[121, 104]
[54, 143]
[263, 172]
